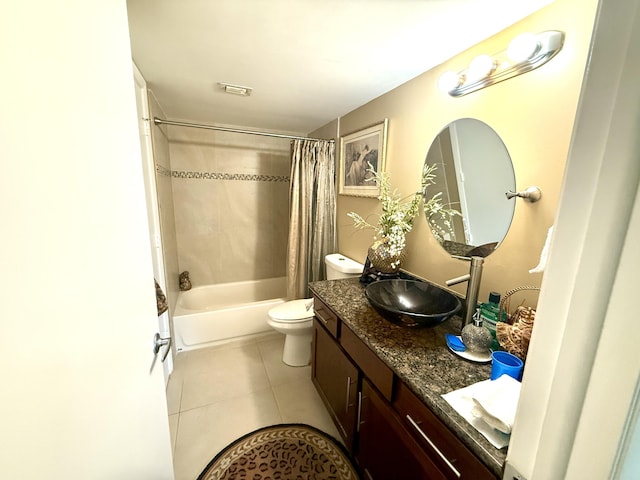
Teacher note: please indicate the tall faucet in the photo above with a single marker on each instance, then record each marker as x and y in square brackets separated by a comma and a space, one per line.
[473, 286]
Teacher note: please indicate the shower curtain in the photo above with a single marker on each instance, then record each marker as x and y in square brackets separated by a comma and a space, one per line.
[312, 214]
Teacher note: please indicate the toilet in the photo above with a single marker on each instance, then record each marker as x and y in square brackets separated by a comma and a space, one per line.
[339, 266]
[294, 318]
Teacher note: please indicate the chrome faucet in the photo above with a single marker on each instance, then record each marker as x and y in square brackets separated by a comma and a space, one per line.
[473, 286]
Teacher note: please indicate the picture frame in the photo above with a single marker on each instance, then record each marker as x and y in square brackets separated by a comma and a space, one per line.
[357, 151]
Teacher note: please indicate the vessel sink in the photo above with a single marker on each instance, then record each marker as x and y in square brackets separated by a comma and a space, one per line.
[412, 303]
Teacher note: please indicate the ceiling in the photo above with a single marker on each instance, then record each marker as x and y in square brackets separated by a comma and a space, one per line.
[308, 61]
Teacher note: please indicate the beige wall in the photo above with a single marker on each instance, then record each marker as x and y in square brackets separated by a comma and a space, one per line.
[233, 228]
[329, 131]
[534, 115]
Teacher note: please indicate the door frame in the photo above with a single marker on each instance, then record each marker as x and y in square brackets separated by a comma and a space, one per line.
[153, 209]
[574, 403]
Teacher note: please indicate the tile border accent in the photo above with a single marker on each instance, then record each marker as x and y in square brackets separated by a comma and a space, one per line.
[162, 170]
[229, 176]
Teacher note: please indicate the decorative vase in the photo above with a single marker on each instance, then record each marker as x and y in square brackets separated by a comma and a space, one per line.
[382, 259]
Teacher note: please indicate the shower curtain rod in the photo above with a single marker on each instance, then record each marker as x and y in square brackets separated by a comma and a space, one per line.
[160, 121]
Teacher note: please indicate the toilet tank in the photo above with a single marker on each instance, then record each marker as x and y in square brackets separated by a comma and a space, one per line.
[339, 266]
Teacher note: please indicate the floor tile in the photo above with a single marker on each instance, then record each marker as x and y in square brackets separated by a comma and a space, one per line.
[173, 430]
[222, 374]
[203, 432]
[299, 402]
[174, 393]
[215, 395]
[278, 371]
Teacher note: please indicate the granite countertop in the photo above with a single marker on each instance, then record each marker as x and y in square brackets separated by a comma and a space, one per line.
[419, 357]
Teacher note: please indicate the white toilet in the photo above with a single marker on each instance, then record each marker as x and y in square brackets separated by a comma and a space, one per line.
[339, 266]
[295, 318]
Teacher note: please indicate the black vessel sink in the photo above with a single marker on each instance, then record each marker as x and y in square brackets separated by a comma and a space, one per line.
[412, 303]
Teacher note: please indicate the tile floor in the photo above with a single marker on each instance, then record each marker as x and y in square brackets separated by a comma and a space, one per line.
[217, 394]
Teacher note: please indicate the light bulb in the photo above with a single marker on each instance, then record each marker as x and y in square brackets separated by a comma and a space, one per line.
[523, 47]
[480, 67]
[449, 81]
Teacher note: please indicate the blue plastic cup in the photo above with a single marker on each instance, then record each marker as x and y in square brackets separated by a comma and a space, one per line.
[504, 363]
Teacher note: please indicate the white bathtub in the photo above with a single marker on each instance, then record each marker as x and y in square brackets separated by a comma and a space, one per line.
[215, 314]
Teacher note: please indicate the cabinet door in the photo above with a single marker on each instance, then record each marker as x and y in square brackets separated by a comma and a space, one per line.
[386, 451]
[437, 440]
[336, 379]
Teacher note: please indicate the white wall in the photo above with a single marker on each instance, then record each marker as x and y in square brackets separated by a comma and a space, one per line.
[77, 306]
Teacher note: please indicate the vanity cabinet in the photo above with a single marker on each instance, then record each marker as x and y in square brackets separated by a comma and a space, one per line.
[385, 450]
[336, 378]
[389, 430]
[448, 452]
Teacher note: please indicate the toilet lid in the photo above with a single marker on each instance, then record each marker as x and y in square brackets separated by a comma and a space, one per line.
[292, 311]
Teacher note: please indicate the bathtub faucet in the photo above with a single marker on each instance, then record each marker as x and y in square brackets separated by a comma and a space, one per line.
[185, 283]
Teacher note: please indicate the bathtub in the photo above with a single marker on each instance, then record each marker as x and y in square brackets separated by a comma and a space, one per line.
[215, 314]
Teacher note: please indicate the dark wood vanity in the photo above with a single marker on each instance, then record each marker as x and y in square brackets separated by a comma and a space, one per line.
[382, 385]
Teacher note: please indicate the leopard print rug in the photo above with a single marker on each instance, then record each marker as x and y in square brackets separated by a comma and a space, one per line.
[285, 452]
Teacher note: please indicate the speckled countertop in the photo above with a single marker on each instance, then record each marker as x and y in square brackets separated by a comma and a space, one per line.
[419, 357]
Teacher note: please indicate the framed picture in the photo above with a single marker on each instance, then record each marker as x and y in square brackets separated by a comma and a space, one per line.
[359, 152]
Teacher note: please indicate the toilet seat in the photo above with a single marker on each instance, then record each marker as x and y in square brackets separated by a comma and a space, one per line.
[294, 311]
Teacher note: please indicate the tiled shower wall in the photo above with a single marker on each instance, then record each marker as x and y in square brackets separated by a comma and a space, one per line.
[230, 200]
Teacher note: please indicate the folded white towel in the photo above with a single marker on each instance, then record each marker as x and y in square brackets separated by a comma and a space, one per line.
[496, 402]
[462, 402]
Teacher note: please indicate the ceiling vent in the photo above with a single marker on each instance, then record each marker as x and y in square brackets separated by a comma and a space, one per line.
[235, 89]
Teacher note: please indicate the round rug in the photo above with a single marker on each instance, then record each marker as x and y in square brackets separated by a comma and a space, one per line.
[282, 452]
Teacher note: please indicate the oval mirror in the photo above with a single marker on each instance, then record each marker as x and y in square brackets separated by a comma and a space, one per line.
[466, 174]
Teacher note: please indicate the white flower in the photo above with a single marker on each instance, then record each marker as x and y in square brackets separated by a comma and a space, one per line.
[396, 219]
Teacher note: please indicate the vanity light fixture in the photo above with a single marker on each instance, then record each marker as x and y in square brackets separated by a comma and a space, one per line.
[525, 52]
[480, 68]
[235, 89]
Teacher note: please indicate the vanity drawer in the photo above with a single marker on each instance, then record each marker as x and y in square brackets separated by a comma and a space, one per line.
[373, 368]
[436, 438]
[326, 317]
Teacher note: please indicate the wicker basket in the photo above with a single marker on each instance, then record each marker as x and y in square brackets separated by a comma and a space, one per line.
[514, 335]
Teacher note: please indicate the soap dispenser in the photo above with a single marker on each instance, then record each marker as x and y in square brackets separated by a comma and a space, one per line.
[475, 336]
